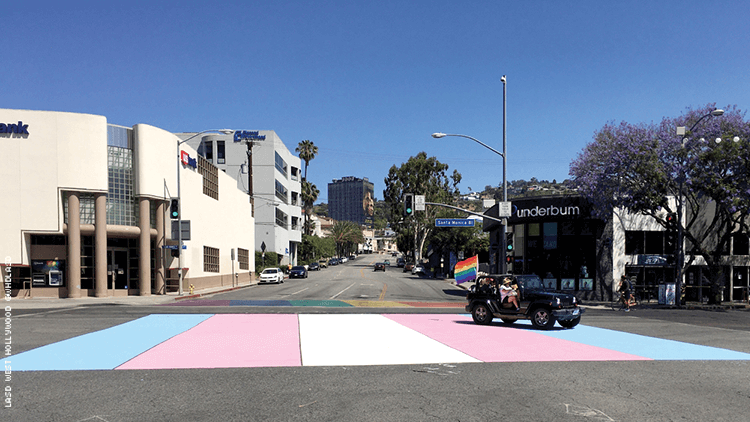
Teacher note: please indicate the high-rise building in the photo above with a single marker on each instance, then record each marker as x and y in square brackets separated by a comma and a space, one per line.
[351, 199]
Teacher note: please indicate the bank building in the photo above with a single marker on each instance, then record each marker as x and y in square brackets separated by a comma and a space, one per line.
[86, 210]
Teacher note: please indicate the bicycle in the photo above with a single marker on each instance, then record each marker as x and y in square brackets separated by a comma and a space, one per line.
[618, 302]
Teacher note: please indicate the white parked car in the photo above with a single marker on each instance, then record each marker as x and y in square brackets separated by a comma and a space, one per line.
[418, 269]
[272, 275]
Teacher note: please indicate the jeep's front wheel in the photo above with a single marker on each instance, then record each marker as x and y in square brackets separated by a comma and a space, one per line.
[481, 314]
[542, 318]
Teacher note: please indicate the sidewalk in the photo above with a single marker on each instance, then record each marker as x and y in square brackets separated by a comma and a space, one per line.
[152, 300]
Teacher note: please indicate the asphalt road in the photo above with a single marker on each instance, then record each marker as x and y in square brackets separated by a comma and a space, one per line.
[695, 390]
[355, 280]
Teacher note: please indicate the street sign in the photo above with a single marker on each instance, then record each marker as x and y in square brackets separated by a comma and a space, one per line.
[173, 247]
[454, 222]
[418, 202]
[505, 209]
[185, 230]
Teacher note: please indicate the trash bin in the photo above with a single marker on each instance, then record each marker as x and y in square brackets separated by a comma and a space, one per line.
[666, 294]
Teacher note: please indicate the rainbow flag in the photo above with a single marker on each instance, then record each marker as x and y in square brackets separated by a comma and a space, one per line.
[467, 270]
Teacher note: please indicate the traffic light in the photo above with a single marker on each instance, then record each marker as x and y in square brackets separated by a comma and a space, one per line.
[670, 238]
[174, 209]
[408, 204]
[509, 242]
[508, 259]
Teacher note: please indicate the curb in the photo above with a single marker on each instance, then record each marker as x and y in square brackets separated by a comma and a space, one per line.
[197, 295]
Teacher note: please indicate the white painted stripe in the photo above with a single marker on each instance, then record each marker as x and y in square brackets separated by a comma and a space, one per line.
[337, 294]
[340, 340]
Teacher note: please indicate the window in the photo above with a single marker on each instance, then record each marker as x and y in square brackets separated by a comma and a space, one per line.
[654, 242]
[741, 244]
[295, 174]
[121, 202]
[210, 259]
[281, 219]
[220, 152]
[208, 150]
[210, 178]
[243, 256]
[634, 242]
[280, 165]
[281, 192]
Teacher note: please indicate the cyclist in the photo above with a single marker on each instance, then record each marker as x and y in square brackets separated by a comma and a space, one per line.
[624, 290]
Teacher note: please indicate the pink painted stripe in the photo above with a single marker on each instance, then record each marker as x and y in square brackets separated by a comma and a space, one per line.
[228, 341]
[497, 343]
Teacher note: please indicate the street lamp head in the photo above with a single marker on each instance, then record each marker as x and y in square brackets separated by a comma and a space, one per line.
[437, 135]
[718, 112]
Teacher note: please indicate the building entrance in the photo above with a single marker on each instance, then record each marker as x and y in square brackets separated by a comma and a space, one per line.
[117, 268]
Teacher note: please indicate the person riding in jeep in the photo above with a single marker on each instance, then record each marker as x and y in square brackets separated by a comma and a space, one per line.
[508, 294]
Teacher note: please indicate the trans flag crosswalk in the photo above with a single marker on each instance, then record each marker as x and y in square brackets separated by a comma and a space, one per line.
[163, 341]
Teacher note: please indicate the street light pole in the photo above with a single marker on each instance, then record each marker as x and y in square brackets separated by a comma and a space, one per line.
[680, 204]
[502, 265]
[179, 201]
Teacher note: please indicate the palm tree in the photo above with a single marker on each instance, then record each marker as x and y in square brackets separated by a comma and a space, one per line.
[309, 195]
[346, 233]
[307, 152]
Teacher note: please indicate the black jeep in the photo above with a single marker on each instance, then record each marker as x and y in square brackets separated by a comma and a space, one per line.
[542, 307]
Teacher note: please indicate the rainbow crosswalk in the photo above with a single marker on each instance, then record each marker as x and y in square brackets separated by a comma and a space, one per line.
[287, 340]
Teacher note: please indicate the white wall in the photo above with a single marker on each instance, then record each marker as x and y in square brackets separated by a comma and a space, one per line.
[35, 167]
[224, 224]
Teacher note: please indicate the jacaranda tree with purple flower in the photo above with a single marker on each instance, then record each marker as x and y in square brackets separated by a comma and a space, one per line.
[642, 168]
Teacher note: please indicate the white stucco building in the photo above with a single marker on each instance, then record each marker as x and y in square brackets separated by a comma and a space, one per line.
[276, 184]
[84, 209]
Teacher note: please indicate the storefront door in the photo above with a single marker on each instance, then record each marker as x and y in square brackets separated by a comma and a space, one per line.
[117, 268]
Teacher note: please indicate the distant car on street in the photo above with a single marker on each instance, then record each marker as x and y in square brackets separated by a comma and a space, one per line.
[271, 275]
[314, 266]
[387, 263]
[408, 267]
[400, 263]
[323, 263]
[298, 271]
[418, 269]
[343, 259]
[379, 266]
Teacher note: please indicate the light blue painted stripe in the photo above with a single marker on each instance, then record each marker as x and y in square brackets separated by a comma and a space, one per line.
[106, 349]
[644, 346]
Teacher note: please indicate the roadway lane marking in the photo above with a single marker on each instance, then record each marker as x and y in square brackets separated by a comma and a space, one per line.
[499, 343]
[367, 339]
[382, 294]
[337, 294]
[109, 348]
[228, 341]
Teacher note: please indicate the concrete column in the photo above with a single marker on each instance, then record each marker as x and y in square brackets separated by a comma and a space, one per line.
[161, 280]
[74, 245]
[144, 248]
[100, 245]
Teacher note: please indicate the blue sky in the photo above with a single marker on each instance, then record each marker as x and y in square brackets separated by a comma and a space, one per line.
[369, 81]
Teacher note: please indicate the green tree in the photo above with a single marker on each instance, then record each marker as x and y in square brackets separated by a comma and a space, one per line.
[347, 235]
[307, 152]
[420, 175]
[309, 195]
[643, 168]
[313, 248]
